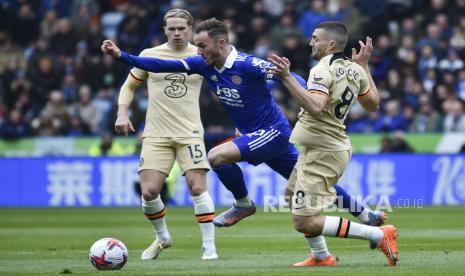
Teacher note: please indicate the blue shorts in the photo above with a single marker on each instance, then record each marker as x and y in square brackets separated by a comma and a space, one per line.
[271, 146]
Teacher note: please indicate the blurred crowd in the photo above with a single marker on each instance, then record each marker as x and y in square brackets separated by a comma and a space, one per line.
[55, 82]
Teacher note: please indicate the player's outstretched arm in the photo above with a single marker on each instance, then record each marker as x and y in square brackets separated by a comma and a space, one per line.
[313, 103]
[145, 63]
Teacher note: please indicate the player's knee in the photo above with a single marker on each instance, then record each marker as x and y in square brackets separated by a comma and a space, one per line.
[197, 189]
[149, 192]
[196, 186]
[215, 158]
[196, 181]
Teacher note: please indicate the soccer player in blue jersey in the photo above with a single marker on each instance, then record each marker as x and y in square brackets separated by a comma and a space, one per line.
[240, 82]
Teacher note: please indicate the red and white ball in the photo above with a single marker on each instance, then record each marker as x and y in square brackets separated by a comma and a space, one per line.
[108, 254]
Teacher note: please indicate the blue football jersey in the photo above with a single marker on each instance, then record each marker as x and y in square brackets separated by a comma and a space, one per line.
[241, 85]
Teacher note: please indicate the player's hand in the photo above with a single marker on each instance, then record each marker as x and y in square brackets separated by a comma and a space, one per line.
[123, 125]
[109, 48]
[281, 68]
[363, 56]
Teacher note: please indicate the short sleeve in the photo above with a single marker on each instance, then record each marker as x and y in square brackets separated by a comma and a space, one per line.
[139, 75]
[319, 80]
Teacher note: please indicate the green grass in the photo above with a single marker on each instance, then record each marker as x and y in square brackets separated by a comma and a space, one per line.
[56, 241]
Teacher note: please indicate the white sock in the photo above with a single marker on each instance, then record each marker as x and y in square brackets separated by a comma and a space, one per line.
[244, 202]
[318, 246]
[363, 217]
[343, 228]
[154, 211]
[205, 212]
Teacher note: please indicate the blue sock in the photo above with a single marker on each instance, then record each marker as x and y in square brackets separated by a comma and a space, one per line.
[348, 202]
[232, 178]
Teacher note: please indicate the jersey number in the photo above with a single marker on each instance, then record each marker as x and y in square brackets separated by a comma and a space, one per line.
[341, 109]
[177, 88]
[195, 151]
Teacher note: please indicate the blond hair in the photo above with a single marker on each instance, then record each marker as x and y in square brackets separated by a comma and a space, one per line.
[179, 13]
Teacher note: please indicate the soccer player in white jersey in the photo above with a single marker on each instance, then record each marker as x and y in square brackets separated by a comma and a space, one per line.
[333, 86]
[173, 130]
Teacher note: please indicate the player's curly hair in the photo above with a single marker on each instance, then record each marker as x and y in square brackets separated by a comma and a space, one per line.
[213, 27]
[179, 13]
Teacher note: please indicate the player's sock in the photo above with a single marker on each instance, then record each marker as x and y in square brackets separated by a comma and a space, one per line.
[232, 178]
[205, 213]
[363, 217]
[350, 203]
[344, 228]
[244, 202]
[318, 246]
[154, 210]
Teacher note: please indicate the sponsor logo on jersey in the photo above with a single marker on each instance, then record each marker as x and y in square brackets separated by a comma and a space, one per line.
[236, 79]
[177, 87]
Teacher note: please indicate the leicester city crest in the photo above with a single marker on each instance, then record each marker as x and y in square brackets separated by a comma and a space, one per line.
[236, 79]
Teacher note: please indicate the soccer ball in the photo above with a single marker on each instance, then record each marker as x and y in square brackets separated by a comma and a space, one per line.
[108, 254]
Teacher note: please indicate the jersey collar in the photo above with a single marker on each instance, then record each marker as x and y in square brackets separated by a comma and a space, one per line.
[338, 55]
[229, 60]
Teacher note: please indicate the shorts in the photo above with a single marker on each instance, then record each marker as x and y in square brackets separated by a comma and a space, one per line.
[159, 153]
[263, 145]
[313, 178]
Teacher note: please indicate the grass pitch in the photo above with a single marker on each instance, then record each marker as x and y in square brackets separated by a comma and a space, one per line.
[56, 241]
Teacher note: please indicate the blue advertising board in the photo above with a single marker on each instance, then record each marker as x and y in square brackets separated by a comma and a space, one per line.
[400, 180]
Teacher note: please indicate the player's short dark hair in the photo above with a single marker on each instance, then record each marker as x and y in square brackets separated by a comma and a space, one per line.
[335, 31]
[213, 27]
[179, 13]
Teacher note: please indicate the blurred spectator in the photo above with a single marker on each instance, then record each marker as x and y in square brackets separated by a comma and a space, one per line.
[45, 79]
[9, 54]
[457, 40]
[297, 51]
[86, 110]
[460, 85]
[15, 127]
[374, 11]
[285, 27]
[396, 144]
[107, 147]
[63, 42]
[313, 16]
[427, 119]
[392, 120]
[77, 128]
[57, 111]
[427, 61]
[454, 120]
[49, 25]
[25, 27]
[358, 120]
[452, 63]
